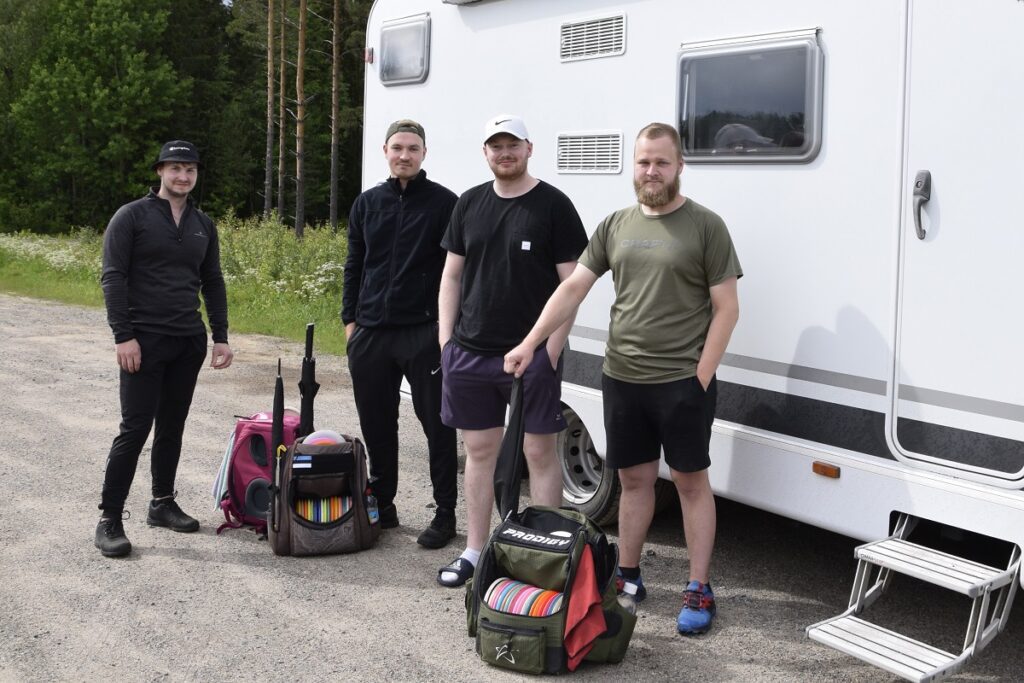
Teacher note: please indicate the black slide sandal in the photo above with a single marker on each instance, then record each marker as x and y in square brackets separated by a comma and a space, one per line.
[463, 570]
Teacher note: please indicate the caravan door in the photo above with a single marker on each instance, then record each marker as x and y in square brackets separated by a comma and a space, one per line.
[959, 355]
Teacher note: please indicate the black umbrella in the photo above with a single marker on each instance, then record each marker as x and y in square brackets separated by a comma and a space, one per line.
[308, 385]
[277, 440]
[277, 426]
[508, 472]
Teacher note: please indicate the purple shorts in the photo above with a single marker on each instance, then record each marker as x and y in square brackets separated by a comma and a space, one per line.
[476, 389]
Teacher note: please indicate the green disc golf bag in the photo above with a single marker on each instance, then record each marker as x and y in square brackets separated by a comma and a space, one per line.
[543, 596]
[523, 596]
[319, 502]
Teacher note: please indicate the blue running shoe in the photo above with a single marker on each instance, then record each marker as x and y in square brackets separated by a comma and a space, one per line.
[698, 609]
[634, 589]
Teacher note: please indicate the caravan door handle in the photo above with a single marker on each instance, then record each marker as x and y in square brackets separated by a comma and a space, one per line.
[922, 193]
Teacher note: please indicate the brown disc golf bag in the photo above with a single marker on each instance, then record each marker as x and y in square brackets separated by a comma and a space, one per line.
[319, 502]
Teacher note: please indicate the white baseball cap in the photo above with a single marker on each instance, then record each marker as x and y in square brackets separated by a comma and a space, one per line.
[505, 123]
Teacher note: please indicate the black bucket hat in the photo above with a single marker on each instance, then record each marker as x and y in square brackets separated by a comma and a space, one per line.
[178, 150]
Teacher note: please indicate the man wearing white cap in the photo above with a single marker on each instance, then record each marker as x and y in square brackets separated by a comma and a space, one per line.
[510, 242]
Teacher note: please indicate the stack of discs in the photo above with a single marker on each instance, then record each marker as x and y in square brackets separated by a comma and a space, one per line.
[515, 597]
[323, 437]
[323, 510]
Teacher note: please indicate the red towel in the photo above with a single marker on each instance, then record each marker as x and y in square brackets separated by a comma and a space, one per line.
[584, 620]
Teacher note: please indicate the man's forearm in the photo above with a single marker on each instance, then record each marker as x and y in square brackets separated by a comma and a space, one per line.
[447, 307]
[556, 319]
[556, 341]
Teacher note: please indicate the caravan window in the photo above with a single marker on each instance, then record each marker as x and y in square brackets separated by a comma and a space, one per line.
[756, 100]
[405, 50]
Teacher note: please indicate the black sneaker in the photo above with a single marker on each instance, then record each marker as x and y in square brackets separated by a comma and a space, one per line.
[110, 538]
[165, 512]
[440, 531]
[388, 517]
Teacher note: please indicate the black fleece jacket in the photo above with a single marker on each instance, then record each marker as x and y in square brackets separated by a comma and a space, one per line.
[395, 258]
[154, 270]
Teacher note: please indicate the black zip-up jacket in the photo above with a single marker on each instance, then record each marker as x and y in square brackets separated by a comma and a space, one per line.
[395, 258]
[154, 270]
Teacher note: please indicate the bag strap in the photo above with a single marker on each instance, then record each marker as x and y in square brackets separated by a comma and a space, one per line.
[508, 471]
[229, 523]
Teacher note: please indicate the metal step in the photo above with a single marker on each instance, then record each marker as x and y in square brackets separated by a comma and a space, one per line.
[992, 591]
[905, 657]
[942, 569]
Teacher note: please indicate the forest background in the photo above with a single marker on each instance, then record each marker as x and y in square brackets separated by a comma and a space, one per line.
[92, 88]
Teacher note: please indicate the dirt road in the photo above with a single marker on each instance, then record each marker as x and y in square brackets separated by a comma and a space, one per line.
[201, 607]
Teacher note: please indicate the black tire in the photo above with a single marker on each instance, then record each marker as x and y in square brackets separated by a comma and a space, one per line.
[587, 484]
[665, 497]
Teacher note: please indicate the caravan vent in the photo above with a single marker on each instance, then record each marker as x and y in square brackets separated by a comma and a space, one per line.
[605, 37]
[590, 152]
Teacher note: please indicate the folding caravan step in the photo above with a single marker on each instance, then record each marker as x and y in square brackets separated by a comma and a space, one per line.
[934, 566]
[905, 657]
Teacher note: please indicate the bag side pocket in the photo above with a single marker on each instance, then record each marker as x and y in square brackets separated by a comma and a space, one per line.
[509, 647]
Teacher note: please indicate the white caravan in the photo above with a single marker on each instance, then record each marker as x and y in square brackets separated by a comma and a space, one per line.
[864, 156]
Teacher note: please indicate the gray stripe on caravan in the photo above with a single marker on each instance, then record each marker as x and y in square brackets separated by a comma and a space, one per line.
[967, 404]
[806, 374]
[589, 333]
[933, 397]
[770, 367]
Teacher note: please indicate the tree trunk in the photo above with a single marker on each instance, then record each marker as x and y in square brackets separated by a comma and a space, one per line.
[300, 123]
[281, 174]
[335, 108]
[268, 164]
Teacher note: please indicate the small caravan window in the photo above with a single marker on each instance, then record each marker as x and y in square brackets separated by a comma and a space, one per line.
[755, 100]
[405, 50]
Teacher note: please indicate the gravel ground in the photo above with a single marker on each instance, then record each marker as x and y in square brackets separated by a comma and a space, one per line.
[202, 607]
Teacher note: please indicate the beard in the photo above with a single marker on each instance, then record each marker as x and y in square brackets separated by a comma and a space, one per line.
[508, 173]
[656, 196]
[175, 192]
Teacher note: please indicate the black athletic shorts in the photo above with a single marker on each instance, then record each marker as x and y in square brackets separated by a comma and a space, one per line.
[642, 419]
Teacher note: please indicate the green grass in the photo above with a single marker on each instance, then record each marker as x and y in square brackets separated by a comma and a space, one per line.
[276, 283]
[34, 278]
[279, 315]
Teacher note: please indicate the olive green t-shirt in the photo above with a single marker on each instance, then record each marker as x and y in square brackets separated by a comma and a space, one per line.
[662, 267]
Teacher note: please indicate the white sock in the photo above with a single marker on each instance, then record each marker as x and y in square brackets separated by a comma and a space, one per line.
[470, 555]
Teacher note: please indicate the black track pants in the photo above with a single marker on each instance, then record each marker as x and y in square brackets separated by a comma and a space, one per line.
[378, 358]
[161, 393]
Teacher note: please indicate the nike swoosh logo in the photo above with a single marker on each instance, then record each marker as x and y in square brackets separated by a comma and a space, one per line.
[498, 123]
[435, 370]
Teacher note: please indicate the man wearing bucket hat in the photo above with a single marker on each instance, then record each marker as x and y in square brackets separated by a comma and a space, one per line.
[389, 309]
[510, 242]
[159, 254]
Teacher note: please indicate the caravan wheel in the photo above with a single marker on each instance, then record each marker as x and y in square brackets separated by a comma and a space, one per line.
[587, 485]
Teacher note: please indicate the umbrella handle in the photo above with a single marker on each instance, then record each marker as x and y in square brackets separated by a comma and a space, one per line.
[309, 340]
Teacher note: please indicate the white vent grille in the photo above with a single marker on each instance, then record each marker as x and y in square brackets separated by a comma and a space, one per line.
[605, 37]
[590, 152]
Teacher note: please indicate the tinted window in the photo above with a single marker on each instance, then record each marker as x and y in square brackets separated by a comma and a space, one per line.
[751, 102]
[405, 50]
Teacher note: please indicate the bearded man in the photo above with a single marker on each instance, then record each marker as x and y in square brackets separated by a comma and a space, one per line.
[676, 304]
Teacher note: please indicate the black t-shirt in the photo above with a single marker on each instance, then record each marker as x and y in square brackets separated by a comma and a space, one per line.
[511, 247]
